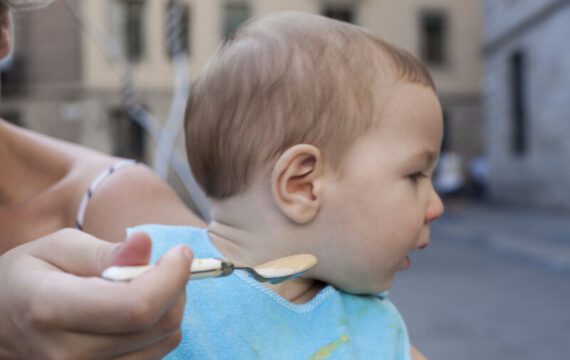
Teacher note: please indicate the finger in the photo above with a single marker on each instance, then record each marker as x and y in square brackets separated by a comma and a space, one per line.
[66, 345]
[81, 254]
[87, 346]
[97, 305]
[157, 351]
[136, 250]
[76, 252]
[169, 325]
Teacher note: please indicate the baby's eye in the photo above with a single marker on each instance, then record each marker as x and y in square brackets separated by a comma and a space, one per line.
[416, 177]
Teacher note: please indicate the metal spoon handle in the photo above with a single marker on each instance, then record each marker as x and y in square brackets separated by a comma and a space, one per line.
[210, 267]
[201, 269]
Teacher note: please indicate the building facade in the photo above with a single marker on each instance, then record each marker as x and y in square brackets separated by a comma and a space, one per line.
[66, 81]
[527, 101]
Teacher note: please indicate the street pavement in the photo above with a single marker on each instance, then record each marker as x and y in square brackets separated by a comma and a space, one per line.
[493, 284]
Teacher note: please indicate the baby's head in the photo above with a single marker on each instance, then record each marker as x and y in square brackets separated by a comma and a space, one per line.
[326, 136]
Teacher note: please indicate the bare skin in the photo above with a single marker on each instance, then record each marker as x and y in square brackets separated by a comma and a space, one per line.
[43, 180]
[131, 197]
[416, 355]
[34, 205]
[40, 190]
[361, 225]
[55, 308]
[52, 303]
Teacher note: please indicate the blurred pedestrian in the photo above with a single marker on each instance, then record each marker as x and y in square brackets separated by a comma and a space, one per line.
[479, 176]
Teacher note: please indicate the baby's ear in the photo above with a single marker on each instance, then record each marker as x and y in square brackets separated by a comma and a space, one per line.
[296, 182]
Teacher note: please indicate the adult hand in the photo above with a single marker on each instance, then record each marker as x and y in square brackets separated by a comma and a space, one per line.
[53, 305]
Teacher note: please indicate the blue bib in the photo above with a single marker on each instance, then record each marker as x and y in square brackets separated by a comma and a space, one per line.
[238, 318]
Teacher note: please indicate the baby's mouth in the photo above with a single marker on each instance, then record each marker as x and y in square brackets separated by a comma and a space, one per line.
[406, 262]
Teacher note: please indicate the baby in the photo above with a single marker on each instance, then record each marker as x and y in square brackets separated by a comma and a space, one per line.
[309, 136]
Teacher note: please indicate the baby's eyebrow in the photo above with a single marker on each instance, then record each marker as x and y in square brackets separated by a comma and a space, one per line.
[428, 155]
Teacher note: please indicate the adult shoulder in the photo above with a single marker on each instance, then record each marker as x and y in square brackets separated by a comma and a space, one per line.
[132, 196]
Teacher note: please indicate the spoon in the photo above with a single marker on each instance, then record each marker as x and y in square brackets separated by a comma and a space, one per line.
[275, 271]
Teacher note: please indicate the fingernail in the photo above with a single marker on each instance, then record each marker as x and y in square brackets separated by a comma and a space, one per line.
[187, 253]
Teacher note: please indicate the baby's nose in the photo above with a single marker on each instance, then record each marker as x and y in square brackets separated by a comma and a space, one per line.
[435, 207]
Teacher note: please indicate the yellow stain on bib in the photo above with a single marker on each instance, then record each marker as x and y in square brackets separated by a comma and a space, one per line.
[326, 351]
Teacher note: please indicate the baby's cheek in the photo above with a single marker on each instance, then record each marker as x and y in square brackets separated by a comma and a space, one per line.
[419, 221]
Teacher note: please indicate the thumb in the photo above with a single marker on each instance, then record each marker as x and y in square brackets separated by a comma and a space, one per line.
[134, 250]
[81, 254]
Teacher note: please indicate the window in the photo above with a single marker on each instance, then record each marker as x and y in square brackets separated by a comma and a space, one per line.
[134, 29]
[433, 37]
[127, 21]
[177, 28]
[342, 13]
[12, 77]
[12, 116]
[128, 135]
[236, 13]
[518, 90]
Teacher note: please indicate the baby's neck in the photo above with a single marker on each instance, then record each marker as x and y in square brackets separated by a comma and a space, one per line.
[241, 246]
[247, 248]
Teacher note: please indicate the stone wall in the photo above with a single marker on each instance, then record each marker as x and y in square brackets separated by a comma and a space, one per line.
[541, 176]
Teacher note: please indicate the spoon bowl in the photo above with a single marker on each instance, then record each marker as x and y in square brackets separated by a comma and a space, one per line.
[282, 269]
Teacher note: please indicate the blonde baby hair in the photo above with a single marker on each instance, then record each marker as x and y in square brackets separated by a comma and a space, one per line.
[283, 80]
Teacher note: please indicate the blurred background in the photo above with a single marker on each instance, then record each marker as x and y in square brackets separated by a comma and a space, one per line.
[494, 283]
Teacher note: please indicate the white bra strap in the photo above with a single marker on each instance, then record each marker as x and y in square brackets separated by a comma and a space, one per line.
[80, 218]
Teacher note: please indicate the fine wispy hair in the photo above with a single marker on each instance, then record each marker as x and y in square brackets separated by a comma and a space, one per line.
[287, 79]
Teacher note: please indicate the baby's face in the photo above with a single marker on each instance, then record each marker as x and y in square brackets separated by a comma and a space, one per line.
[379, 209]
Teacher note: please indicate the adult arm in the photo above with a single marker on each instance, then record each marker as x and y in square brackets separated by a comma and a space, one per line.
[53, 305]
[133, 196]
